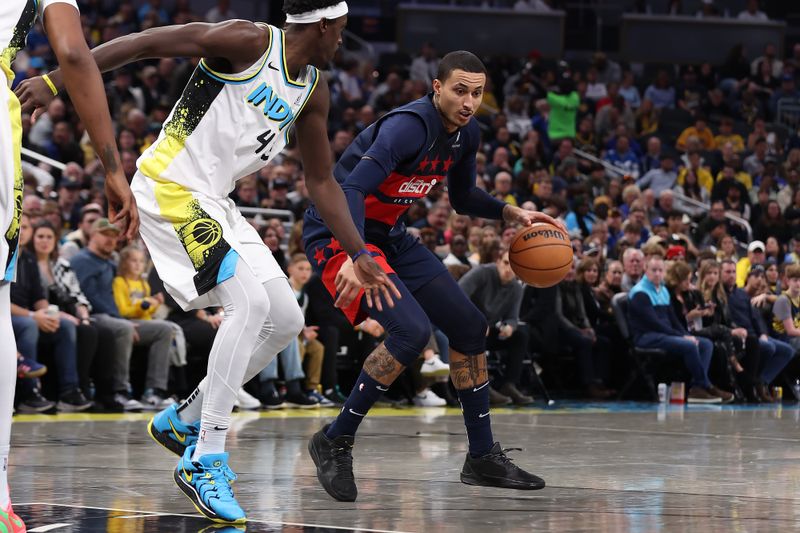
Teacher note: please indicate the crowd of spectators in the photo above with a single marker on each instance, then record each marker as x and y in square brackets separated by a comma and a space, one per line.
[682, 189]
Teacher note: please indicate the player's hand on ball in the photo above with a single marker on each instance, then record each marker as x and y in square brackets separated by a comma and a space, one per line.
[376, 283]
[34, 96]
[515, 215]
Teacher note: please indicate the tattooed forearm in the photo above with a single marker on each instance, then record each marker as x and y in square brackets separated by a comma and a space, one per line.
[109, 159]
[382, 366]
[468, 370]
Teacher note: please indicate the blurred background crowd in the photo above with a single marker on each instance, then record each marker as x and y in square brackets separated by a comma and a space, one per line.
[698, 164]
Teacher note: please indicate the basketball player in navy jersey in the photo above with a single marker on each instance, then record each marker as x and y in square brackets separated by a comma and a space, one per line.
[388, 167]
[254, 83]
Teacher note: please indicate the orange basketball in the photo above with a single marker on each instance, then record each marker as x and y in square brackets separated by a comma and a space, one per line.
[541, 254]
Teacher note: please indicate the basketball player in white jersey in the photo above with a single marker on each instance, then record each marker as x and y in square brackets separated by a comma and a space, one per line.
[62, 23]
[254, 83]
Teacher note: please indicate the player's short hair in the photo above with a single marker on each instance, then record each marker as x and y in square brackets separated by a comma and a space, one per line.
[295, 7]
[459, 60]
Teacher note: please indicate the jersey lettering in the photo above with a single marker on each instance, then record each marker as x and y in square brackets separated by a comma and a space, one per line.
[275, 107]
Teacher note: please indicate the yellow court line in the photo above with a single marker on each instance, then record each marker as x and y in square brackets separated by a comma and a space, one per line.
[327, 412]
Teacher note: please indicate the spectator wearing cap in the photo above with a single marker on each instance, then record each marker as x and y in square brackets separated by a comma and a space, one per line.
[653, 324]
[755, 256]
[660, 179]
[79, 238]
[787, 91]
[95, 271]
[279, 194]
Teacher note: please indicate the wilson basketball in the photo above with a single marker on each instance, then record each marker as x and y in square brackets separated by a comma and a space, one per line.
[541, 254]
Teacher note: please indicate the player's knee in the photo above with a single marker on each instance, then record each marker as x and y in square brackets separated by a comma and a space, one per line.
[289, 322]
[469, 337]
[407, 341]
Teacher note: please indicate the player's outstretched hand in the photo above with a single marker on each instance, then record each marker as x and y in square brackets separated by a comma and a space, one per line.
[376, 283]
[516, 215]
[34, 96]
[122, 209]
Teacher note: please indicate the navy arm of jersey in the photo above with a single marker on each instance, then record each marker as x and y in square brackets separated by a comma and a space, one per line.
[466, 198]
[400, 138]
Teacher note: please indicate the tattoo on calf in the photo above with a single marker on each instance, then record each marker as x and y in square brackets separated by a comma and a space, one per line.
[382, 366]
[468, 370]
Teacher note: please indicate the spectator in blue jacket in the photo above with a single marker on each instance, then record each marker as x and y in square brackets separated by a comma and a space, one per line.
[654, 325]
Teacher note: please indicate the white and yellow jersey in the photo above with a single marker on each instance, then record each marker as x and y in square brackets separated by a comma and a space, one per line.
[16, 20]
[226, 126]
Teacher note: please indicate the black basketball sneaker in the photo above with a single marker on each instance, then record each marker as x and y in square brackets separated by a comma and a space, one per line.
[334, 460]
[495, 469]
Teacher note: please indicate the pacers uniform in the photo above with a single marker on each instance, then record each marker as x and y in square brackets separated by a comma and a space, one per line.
[16, 20]
[223, 128]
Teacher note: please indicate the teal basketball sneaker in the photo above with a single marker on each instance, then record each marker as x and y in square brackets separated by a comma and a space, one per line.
[207, 483]
[167, 429]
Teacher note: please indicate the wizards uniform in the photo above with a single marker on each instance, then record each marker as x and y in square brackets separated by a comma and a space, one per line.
[16, 20]
[223, 128]
[387, 168]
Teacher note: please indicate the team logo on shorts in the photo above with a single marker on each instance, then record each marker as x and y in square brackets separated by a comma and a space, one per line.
[198, 237]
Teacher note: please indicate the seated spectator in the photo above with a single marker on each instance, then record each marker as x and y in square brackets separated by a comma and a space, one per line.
[653, 324]
[62, 289]
[755, 256]
[701, 131]
[135, 302]
[633, 267]
[493, 288]
[661, 93]
[80, 237]
[609, 286]
[459, 253]
[33, 319]
[624, 157]
[660, 179]
[272, 239]
[726, 135]
[774, 354]
[772, 224]
[786, 311]
[694, 175]
[95, 270]
[580, 314]
[312, 351]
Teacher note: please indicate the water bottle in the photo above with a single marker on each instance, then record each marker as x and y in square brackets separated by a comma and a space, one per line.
[662, 393]
[796, 389]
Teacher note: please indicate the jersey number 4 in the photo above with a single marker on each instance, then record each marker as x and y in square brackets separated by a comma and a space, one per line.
[265, 139]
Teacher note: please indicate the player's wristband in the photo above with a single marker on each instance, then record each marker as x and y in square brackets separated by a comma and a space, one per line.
[50, 84]
[359, 253]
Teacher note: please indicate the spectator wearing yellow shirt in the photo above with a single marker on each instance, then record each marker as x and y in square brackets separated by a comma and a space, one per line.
[134, 302]
[726, 135]
[131, 291]
[755, 256]
[704, 177]
[699, 130]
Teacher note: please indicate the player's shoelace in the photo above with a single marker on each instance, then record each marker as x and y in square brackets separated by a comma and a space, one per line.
[216, 480]
[343, 461]
[501, 457]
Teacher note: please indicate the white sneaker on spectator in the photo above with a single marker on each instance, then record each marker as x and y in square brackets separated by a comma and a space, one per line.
[434, 367]
[246, 402]
[427, 398]
[156, 400]
[128, 403]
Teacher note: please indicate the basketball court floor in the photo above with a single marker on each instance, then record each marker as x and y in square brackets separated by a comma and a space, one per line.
[609, 467]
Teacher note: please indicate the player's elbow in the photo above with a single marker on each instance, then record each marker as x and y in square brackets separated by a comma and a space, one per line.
[72, 54]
